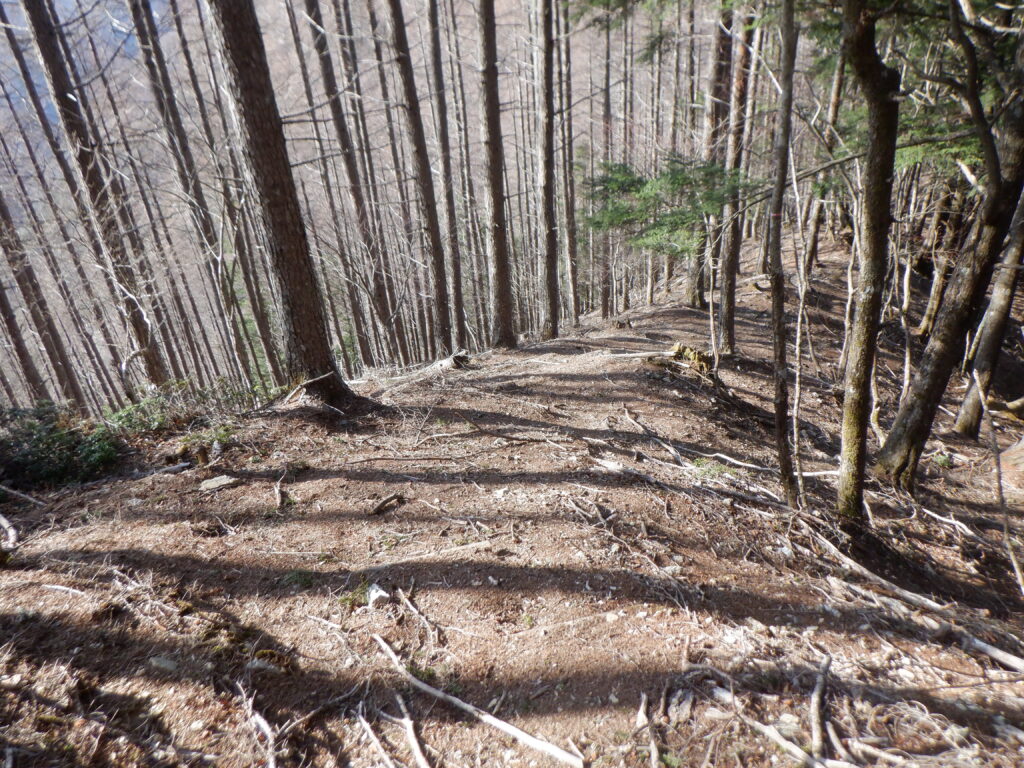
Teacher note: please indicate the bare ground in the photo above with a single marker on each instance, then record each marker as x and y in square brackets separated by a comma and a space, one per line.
[577, 535]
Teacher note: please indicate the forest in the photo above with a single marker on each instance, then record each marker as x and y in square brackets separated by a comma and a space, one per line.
[462, 382]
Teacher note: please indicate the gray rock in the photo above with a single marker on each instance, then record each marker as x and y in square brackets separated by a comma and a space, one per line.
[163, 663]
[217, 483]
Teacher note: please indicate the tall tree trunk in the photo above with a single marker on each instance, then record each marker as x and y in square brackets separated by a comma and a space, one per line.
[549, 325]
[447, 180]
[105, 204]
[880, 85]
[1003, 151]
[424, 178]
[817, 214]
[568, 165]
[306, 344]
[347, 148]
[731, 215]
[503, 331]
[992, 328]
[776, 275]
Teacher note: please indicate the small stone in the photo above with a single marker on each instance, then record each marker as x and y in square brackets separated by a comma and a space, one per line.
[788, 725]
[163, 663]
[197, 725]
[261, 665]
[377, 594]
[217, 483]
[613, 699]
[10, 681]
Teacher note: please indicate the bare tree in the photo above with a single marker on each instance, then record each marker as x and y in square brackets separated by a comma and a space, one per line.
[880, 85]
[308, 355]
[503, 331]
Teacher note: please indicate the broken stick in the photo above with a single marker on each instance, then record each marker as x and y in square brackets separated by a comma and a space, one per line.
[521, 736]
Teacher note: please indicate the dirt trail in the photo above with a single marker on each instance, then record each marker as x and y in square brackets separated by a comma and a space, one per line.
[574, 531]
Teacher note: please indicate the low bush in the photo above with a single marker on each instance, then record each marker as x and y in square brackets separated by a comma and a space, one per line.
[48, 445]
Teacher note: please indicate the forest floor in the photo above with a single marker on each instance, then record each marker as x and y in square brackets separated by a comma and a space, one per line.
[587, 544]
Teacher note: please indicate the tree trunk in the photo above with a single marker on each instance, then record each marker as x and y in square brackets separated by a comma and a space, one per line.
[106, 206]
[447, 180]
[306, 345]
[992, 328]
[1003, 151]
[549, 323]
[776, 275]
[424, 178]
[503, 331]
[731, 216]
[880, 85]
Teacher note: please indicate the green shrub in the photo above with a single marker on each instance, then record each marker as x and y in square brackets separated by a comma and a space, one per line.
[47, 445]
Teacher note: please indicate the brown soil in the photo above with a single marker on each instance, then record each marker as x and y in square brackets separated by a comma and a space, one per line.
[559, 564]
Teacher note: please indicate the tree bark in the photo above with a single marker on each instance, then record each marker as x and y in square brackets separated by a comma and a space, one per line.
[1003, 151]
[308, 355]
[880, 85]
[503, 330]
[549, 323]
[776, 275]
[992, 328]
[105, 204]
[424, 178]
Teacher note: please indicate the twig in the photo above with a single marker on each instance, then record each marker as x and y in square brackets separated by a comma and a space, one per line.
[432, 631]
[876, 754]
[722, 696]
[22, 496]
[492, 433]
[911, 597]
[652, 736]
[303, 385]
[410, 734]
[375, 741]
[609, 616]
[313, 713]
[818, 709]
[381, 505]
[521, 736]
[837, 744]
[261, 727]
[279, 495]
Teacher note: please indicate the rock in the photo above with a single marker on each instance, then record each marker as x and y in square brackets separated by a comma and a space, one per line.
[163, 663]
[377, 594]
[788, 725]
[1012, 463]
[260, 665]
[219, 482]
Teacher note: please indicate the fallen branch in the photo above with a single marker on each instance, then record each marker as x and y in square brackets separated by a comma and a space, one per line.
[383, 504]
[818, 709]
[451, 363]
[770, 732]
[966, 640]
[911, 597]
[22, 496]
[261, 727]
[521, 736]
[432, 631]
[375, 741]
[410, 734]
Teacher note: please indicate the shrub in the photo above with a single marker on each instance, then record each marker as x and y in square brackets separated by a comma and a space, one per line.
[48, 445]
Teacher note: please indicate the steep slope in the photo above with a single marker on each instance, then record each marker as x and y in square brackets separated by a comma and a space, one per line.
[561, 536]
